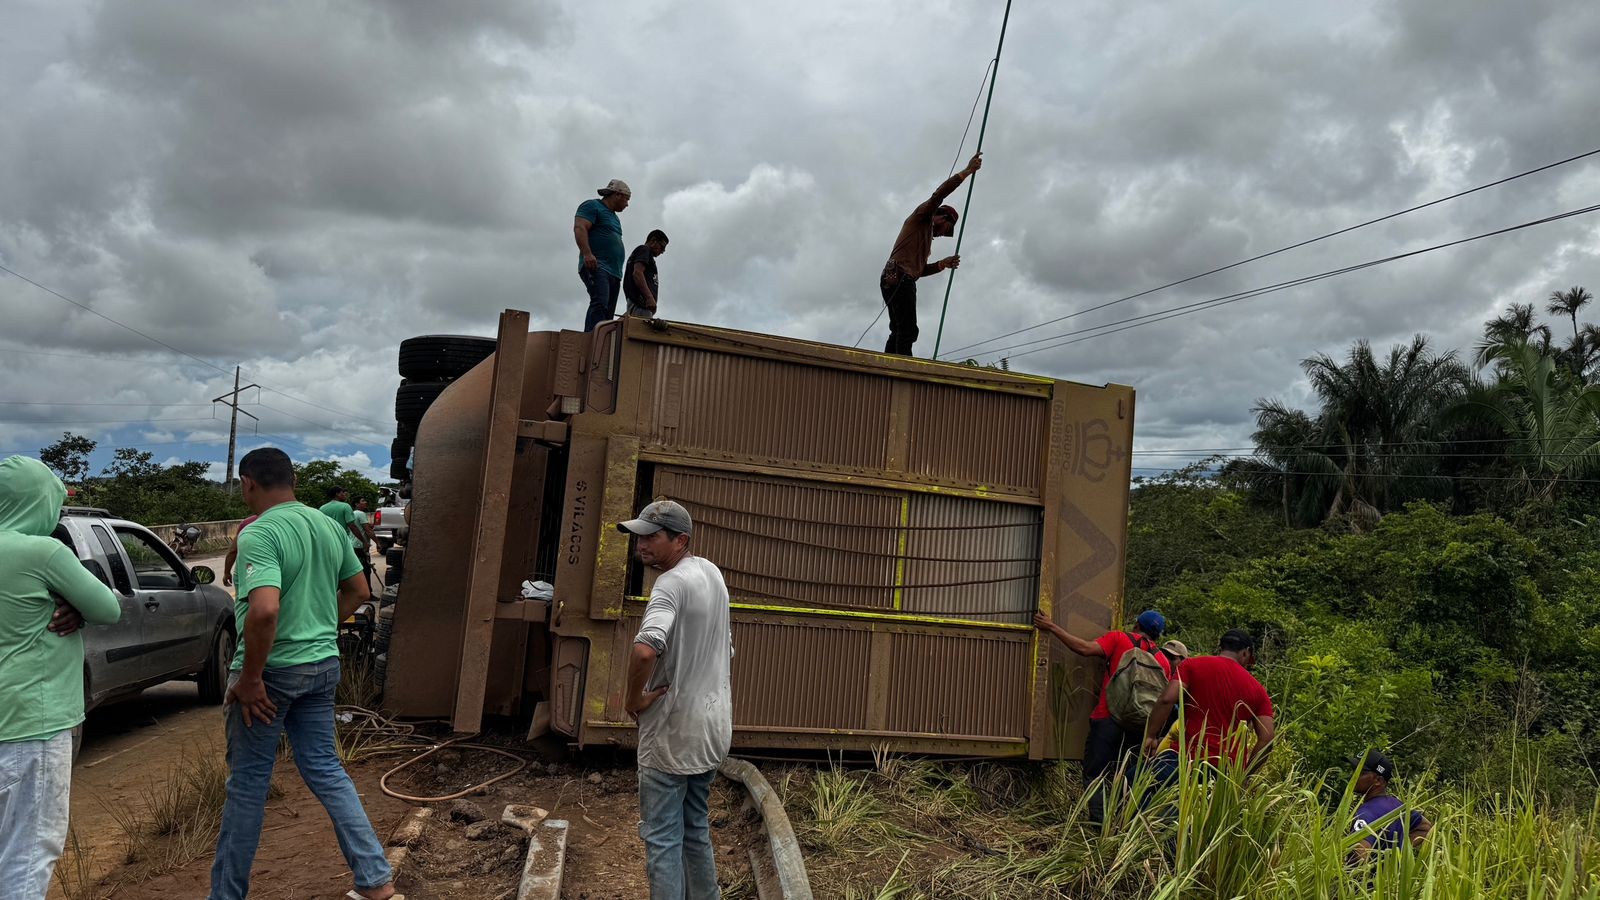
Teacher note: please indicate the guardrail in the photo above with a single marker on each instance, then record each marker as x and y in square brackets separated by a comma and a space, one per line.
[213, 535]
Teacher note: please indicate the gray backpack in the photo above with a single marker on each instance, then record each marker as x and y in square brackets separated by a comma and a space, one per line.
[1136, 684]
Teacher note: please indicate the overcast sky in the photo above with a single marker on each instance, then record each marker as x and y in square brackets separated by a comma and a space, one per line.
[297, 186]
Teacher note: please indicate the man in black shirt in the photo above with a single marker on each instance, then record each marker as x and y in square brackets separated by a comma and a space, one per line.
[640, 285]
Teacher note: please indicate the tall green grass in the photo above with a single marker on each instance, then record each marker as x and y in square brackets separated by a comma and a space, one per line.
[991, 830]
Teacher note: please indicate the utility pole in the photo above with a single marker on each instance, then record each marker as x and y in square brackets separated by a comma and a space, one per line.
[231, 400]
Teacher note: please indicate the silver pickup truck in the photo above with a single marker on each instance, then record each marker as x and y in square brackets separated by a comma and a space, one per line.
[175, 623]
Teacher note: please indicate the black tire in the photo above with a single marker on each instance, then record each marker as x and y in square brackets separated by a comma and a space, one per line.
[442, 355]
[399, 449]
[391, 577]
[399, 471]
[380, 640]
[395, 558]
[213, 679]
[406, 431]
[414, 397]
[380, 669]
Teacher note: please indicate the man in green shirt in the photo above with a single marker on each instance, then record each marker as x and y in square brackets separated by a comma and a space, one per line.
[338, 509]
[297, 578]
[41, 673]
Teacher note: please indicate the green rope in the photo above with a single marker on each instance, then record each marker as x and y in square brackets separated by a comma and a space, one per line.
[971, 182]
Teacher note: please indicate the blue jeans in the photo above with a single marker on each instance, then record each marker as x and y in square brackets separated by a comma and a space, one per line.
[603, 288]
[35, 792]
[676, 828]
[304, 696]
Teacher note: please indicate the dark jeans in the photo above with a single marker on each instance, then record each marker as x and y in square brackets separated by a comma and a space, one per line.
[603, 288]
[304, 695]
[900, 295]
[1107, 744]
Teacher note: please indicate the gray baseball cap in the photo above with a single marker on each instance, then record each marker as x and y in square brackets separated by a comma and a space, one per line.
[661, 514]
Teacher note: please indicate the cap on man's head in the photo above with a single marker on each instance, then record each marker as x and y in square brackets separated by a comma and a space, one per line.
[668, 514]
[1152, 623]
[1375, 762]
[1176, 649]
[948, 211]
[1237, 640]
[616, 186]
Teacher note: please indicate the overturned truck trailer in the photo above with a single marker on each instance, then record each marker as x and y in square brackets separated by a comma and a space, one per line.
[887, 528]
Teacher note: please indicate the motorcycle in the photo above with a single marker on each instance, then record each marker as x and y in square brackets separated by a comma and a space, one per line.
[184, 539]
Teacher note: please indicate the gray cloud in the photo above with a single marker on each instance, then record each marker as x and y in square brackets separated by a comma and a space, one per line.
[299, 186]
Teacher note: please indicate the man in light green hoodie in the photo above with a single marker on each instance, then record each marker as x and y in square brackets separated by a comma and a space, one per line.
[41, 673]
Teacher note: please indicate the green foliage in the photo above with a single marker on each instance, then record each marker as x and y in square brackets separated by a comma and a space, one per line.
[313, 479]
[1461, 643]
[136, 487]
[68, 457]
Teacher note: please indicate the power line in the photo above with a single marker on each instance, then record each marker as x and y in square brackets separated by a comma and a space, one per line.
[1451, 477]
[149, 337]
[26, 422]
[1284, 249]
[1225, 299]
[95, 403]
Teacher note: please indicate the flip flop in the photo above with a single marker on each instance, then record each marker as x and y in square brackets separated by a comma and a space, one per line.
[357, 895]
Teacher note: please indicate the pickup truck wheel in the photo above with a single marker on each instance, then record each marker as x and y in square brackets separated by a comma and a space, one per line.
[213, 678]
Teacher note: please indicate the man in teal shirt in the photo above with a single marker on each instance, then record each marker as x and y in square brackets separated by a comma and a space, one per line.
[41, 673]
[298, 578]
[598, 233]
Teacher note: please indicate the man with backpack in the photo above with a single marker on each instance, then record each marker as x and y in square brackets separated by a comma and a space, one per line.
[1137, 671]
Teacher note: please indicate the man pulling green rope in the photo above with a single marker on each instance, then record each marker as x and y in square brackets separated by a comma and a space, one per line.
[908, 261]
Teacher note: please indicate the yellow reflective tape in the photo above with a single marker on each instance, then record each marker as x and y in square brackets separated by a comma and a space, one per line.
[876, 616]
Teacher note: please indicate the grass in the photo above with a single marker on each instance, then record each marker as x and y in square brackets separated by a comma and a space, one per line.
[74, 872]
[909, 829]
[176, 817]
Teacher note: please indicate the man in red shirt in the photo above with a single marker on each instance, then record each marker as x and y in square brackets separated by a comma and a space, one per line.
[1108, 741]
[1219, 694]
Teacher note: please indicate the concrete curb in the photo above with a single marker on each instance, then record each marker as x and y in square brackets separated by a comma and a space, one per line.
[785, 874]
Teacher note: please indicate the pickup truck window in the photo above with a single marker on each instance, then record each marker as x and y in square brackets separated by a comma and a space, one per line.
[151, 568]
[119, 572]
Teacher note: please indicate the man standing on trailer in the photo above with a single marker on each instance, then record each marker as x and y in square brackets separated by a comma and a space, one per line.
[680, 693]
[908, 261]
[598, 233]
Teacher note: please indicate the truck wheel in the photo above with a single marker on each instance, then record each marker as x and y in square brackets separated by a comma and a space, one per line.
[399, 471]
[442, 355]
[213, 678]
[395, 559]
[414, 397]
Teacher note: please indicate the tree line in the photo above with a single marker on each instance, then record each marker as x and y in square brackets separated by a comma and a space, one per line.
[135, 487]
[1518, 423]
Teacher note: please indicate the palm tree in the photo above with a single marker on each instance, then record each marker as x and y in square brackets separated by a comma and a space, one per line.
[1371, 445]
[1551, 422]
[1567, 303]
[1389, 410]
[1516, 325]
[1582, 352]
[1292, 458]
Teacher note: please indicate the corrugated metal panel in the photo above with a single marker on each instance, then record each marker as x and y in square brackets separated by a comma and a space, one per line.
[990, 532]
[973, 685]
[768, 661]
[959, 434]
[792, 542]
[768, 410]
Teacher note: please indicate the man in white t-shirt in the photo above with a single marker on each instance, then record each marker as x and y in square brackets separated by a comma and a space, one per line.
[680, 693]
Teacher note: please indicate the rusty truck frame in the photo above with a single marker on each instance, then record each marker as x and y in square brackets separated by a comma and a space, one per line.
[887, 527]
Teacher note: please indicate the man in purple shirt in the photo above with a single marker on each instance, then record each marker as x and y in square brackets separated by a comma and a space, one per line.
[1376, 817]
